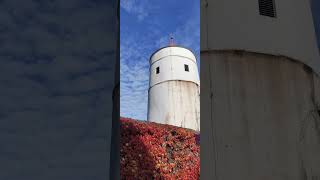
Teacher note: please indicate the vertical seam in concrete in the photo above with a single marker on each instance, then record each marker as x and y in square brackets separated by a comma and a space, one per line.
[213, 126]
[313, 98]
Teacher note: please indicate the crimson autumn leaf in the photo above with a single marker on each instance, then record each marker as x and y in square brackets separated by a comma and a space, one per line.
[154, 151]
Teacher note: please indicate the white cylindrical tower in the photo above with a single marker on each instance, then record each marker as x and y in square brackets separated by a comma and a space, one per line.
[174, 93]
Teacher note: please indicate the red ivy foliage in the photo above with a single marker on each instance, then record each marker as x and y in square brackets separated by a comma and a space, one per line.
[155, 151]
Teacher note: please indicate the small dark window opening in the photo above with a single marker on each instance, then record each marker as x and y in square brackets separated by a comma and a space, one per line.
[157, 70]
[267, 8]
[186, 67]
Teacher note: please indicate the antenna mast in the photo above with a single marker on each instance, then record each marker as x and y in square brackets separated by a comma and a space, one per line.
[171, 41]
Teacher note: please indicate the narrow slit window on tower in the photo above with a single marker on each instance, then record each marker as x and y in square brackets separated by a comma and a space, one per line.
[186, 67]
[157, 70]
[267, 8]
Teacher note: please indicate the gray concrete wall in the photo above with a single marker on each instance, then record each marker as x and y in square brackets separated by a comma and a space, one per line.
[231, 24]
[259, 117]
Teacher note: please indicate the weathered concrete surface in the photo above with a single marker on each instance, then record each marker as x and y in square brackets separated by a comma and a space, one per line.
[174, 93]
[230, 24]
[259, 118]
[176, 103]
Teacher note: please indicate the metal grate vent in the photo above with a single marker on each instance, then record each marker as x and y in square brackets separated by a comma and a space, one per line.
[267, 8]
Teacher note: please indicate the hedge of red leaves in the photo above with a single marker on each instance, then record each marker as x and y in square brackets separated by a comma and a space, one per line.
[155, 151]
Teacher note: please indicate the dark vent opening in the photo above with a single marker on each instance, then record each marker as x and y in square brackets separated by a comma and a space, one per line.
[267, 8]
[157, 70]
[186, 68]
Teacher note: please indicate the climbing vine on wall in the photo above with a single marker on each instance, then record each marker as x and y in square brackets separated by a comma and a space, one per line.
[153, 151]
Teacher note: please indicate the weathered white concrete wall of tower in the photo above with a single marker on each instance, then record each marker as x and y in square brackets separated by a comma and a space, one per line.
[238, 25]
[175, 103]
[174, 94]
[171, 61]
[259, 117]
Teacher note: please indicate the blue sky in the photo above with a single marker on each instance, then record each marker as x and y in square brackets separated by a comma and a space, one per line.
[146, 26]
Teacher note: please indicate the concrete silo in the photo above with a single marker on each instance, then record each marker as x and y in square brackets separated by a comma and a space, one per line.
[259, 90]
[174, 89]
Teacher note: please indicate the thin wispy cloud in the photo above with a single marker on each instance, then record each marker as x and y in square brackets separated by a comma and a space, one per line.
[135, 7]
[134, 80]
[188, 34]
[141, 37]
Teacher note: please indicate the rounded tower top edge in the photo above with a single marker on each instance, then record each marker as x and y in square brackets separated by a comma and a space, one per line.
[167, 51]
